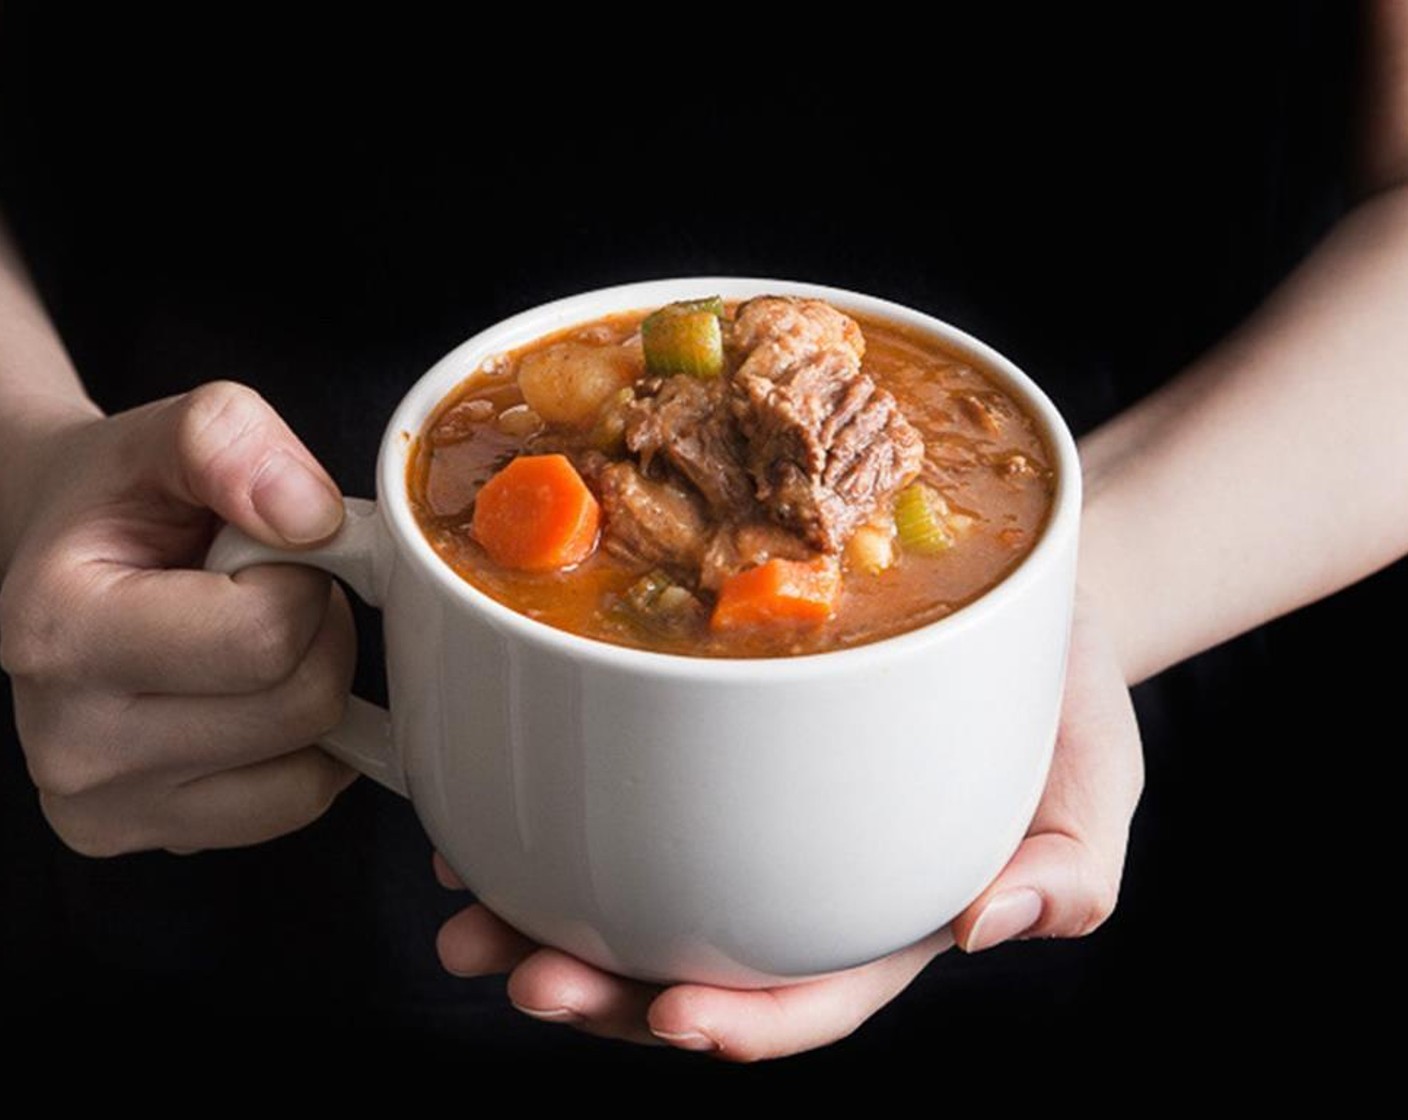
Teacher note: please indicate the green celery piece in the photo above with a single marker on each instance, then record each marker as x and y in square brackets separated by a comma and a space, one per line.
[656, 604]
[920, 520]
[714, 305]
[685, 337]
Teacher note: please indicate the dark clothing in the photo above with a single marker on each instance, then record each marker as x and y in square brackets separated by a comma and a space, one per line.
[323, 216]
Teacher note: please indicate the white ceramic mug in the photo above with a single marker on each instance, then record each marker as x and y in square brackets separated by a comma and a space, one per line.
[735, 822]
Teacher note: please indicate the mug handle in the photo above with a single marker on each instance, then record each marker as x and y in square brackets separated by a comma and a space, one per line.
[360, 554]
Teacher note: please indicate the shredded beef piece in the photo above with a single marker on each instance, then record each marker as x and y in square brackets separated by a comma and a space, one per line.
[776, 330]
[824, 444]
[789, 455]
[687, 422]
[649, 522]
[985, 410]
[588, 460]
[736, 547]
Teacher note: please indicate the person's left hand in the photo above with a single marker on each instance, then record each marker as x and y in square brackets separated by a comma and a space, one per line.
[743, 1025]
[1062, 882]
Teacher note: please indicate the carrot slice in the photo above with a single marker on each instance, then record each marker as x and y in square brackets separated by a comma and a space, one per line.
[537, 514]
[796, 592]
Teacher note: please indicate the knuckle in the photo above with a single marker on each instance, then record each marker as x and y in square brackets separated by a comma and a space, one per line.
[95, 843]
[1102, 896]
[26, 650]
[69, 739]
[271, 645]
[326, 701]
[32, 639]
[312, 700]
[319, 789]
[319, 694]
[218, 407]
[64, 771]
[213, 419]
[209, 415]
[86, 832]
[333, 783]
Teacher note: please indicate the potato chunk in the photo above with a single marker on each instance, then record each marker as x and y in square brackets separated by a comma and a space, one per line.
[568, 383]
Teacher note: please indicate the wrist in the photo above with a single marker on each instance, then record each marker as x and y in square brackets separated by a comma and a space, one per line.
[41, 397]
[1107, 582]
[33, 432]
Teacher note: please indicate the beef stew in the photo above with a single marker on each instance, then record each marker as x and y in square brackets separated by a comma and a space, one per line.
[771, 479]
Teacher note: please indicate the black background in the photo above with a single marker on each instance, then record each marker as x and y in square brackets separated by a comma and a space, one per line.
[323, 212]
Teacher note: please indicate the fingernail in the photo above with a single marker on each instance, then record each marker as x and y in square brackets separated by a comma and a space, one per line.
[688, 1040]
[1007, 915]
[552, 1014]
[297, 504]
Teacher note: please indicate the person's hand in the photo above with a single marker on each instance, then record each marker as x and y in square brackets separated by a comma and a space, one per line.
[160, 706]
[1062, 882]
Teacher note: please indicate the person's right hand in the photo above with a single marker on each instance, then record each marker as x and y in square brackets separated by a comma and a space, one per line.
[161, 706]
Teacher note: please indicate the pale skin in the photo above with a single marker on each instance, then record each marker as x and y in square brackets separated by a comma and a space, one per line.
[213, 686]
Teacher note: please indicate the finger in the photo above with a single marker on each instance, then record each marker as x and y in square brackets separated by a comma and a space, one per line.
[1064, 879]
[255, 803]
[477, 943]
[131, 630]
[223, 448]
[445, 874]
[1055, 886]
[748, 1026]
[226, 810]
[81, 742]
[556, 988]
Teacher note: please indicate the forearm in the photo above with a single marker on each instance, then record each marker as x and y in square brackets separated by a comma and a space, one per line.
[1273, 471]
[40, 392]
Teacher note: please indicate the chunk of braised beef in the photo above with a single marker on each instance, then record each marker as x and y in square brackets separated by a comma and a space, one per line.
[733, 548]
[650, 522]
[588, 460]
[776, 330]
[687, 423]
[824, 444]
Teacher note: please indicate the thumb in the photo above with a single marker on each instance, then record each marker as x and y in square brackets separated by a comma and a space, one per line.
[226, 449]
[1064, 880]
[1055, 886]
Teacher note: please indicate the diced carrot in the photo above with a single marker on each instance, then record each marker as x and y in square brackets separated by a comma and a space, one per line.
[796, 592]
[537, 514]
